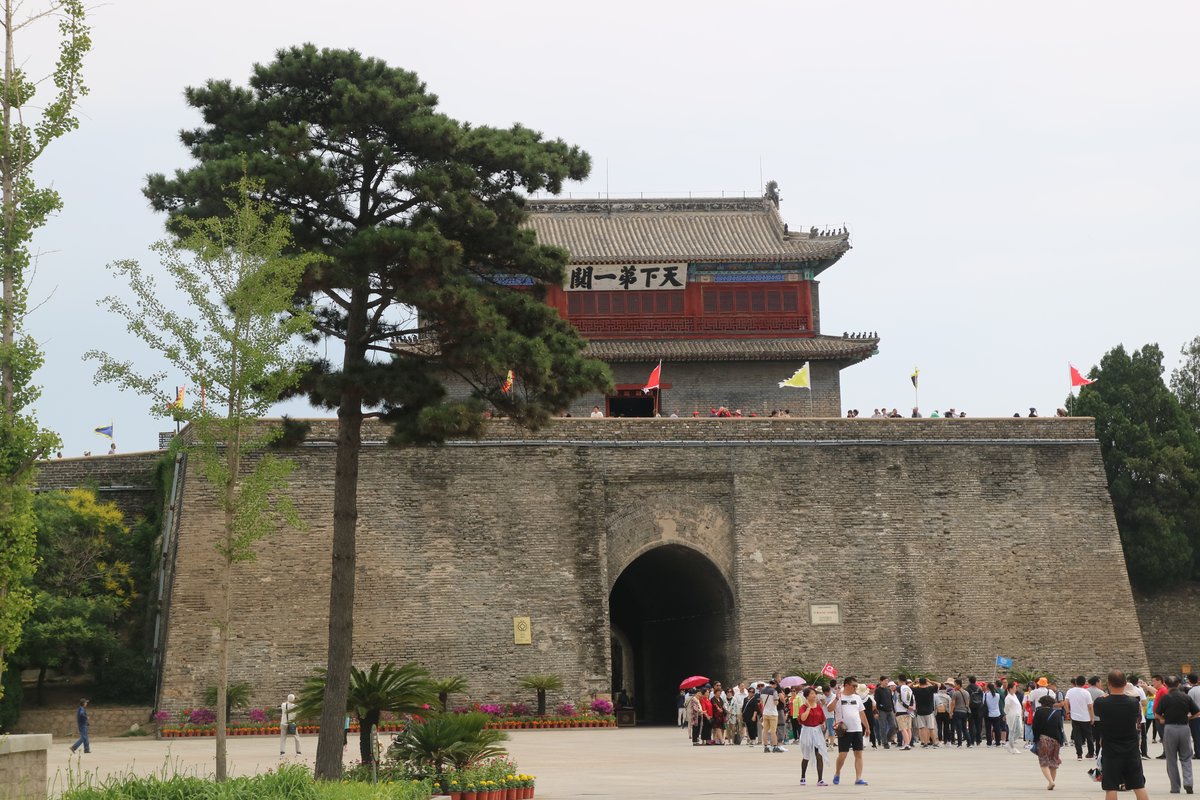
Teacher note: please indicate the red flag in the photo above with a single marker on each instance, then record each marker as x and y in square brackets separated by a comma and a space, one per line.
[508, 383]
[828, 671]
[1076, 378]
[652, 381]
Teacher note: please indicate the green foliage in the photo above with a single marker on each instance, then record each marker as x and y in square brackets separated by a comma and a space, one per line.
[289, 782]
[421, 217]
[1151, 454]
[404, 689]
[811, 677]
[1185, 381]
[447, 740]
[124, 676]
[540, 683]
[26, 130]
[444, 687]
[238, 343]
[237, 695]
[11, 694]
[1028, 675]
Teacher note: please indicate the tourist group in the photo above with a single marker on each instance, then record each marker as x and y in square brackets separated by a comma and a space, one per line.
[1109, 723]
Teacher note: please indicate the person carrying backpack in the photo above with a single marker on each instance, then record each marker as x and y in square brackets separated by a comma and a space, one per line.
[976, 711]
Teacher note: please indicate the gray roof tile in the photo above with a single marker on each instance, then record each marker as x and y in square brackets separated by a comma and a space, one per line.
[711, 229]
[818, 348]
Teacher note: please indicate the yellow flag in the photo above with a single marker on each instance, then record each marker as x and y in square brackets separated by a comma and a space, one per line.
[799, 380]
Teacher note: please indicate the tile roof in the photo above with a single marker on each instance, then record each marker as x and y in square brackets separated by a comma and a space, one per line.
[708, 229]
[819, 348]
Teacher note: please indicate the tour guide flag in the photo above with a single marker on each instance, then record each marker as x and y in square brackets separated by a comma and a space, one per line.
[508, 383]
[799, 380]
[652, 381]
[105, 430]
[1003, 663]
[828, 671]
[1076, 378]
[913, 377]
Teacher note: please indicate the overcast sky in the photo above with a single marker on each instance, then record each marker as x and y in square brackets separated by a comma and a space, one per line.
[1020, 179]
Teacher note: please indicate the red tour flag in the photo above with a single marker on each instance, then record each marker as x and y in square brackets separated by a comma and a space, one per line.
[828, 671]
[652, 381]
[1076, 378]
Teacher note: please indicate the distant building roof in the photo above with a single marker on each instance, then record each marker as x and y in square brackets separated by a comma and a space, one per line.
[819, 348]
[703, 229]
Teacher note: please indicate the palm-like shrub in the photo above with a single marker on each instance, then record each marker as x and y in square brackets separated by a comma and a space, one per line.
[404, 689]
[237, 695]
[454, 740]
[448, 686]
[541, 684]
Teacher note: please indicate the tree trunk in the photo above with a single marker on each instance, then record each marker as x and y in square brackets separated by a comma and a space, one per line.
[345, 520]
[541, 693]
[365, 751]
[233, 462]
[9, 166]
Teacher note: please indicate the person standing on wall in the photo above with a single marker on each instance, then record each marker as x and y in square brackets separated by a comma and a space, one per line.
[287, 724]
[82, 722]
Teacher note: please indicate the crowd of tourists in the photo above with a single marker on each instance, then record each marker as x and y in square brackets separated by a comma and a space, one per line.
[1111, 722]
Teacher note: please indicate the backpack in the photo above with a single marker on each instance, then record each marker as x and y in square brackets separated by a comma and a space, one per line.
[975, 695]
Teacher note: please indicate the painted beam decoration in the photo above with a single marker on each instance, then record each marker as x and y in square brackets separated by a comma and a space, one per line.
[627, 277]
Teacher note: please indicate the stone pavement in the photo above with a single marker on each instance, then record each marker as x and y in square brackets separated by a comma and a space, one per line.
[651, 764]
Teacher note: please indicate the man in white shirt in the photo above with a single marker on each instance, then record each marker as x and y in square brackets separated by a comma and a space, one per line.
[850, 721]
[905, 704]
[1079, 703]
[287, 724]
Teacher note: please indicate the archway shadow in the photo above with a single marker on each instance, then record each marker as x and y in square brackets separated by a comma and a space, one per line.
[673, 607]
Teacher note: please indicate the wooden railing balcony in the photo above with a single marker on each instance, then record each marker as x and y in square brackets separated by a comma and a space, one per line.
[623, 327]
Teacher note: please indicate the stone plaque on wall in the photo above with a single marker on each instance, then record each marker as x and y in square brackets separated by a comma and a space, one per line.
[824, 614]
[522, 631]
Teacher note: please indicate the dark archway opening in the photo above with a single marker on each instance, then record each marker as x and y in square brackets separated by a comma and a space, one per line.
[631, 404]
[673, 609]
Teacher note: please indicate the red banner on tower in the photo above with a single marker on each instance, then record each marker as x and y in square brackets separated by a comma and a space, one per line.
[652, 381]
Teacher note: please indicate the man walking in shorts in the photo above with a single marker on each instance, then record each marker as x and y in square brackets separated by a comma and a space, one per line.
[1120, 761]
[850, 720]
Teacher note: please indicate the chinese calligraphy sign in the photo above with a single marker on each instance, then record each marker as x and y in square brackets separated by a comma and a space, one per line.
[627, 277]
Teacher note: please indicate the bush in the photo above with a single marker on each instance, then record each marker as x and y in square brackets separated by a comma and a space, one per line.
[565, 710]
[10, 704]
[601, 706]
[292, 782]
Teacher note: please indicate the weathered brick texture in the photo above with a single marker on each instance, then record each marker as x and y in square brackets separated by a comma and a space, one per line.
[946, 543]
[1171, 625]
[126, 479]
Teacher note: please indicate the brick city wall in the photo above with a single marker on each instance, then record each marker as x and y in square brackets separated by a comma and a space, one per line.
[126, 479]
[105, 721]
[1171, 626]
[944, 543]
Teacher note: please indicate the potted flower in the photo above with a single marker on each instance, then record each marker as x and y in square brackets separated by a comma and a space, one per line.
[454, 790]
[469, 792]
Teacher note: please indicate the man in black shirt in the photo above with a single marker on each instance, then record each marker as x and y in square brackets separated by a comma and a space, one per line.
[885, 710]
[1174, 711]
[1117, 717]
[923, 692]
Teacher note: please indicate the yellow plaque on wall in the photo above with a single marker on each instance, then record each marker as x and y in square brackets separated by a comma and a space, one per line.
[522, 631]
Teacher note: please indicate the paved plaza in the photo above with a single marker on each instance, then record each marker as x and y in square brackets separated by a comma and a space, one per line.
[652, 764]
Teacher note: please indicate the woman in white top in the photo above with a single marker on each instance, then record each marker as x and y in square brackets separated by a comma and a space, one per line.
[1013, 714]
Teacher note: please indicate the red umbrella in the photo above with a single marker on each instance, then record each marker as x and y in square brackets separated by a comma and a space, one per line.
[693, 682]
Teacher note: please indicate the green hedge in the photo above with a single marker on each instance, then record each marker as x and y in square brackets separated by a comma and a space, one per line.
[288, 783]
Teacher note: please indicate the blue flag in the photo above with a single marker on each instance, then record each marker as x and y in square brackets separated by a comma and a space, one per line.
[106, 430]
[1003, 663]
